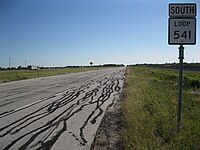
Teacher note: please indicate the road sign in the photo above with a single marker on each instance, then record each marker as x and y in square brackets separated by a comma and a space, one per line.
[182, 10]
[182, 31]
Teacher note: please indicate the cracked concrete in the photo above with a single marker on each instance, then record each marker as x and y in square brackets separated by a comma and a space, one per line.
[60, 112]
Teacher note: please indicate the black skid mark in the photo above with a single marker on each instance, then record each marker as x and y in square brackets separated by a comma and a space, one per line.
[43, 129]
[54, 105]
[54, 119]
[107, 90]
[76, 138]
[28, 124]
[16, 140]
[41, 142]
[11, 129]
[117, 87]
[106, 83]
[93, 121]
[88, 96]
[6, 104]
[84, 141]
[103, 98]
[6, 112]
[26, 119]
[48, 145]
[15, 122]
[14, 111]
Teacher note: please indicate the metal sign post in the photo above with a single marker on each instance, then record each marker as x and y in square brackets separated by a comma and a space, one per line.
[181, 57]
[182, 30]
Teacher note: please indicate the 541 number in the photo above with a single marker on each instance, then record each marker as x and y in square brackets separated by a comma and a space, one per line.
[185, 34]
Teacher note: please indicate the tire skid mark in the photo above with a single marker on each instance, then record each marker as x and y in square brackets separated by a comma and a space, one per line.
[107, 90]
[7, 103]
[18, 91]
[73, 101]
[28, 117]
[4, 114]
[93, 121]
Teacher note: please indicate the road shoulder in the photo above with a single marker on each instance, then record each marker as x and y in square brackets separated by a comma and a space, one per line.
[108, 133]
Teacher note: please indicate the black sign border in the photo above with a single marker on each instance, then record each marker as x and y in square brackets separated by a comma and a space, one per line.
[183, 5]
[180, 43]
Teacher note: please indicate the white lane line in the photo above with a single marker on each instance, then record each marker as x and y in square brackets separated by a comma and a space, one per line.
[58, 94]
[26, 106]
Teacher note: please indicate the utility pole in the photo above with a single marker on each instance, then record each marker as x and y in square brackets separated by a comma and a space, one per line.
[9, 62]
[25, 63]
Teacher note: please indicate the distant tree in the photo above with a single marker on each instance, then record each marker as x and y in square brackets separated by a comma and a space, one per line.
[29, 67]
[13, 68]
[91, 63]
[20, 67]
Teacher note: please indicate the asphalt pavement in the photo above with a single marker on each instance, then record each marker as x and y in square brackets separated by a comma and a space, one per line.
[58, 112]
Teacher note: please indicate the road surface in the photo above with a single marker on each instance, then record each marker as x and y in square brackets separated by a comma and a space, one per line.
[59, 112]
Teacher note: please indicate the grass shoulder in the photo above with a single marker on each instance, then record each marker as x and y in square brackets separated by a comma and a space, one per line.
[150, 110]
[14, 75]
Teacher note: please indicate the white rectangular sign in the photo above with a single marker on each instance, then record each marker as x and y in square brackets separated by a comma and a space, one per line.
[182, 10]
[182, 31]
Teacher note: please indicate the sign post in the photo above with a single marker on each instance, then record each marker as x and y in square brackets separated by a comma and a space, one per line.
[182, 31]
[181, 57]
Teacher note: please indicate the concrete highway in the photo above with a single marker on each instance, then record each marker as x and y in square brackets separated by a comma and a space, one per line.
[59, 112]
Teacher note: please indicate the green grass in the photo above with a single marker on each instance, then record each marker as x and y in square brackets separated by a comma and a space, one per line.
[150, 110]
[13, 75]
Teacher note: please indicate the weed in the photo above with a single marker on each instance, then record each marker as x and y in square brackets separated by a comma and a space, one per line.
[13, 75]
[150, 110]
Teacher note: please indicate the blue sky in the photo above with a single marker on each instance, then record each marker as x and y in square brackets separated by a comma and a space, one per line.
[75, 32]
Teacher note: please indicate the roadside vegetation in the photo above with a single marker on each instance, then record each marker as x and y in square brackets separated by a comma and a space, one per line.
[13, 75]
[21, 73]
[149, 110]
[187, 66]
